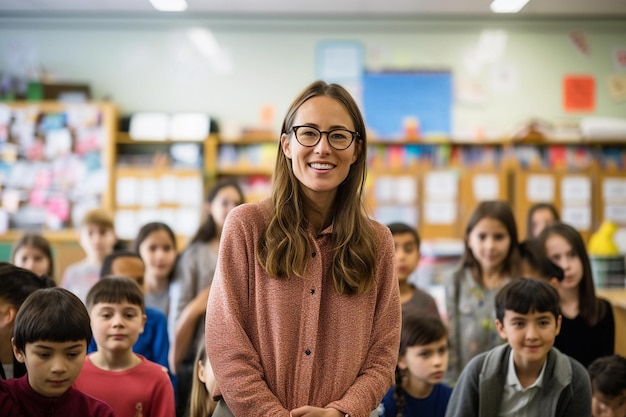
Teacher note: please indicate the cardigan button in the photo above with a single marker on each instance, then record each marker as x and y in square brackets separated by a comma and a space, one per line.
[312, 291]
[313, 254]
[308, 352]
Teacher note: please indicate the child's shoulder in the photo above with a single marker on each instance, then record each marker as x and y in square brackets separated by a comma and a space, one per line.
[8, 399]
[147, 367]
[93, 406]
[442, 389]
[566, 367]
[82, 267]
[76, 266]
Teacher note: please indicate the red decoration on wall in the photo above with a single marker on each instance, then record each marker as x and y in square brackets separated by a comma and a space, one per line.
[579, 93]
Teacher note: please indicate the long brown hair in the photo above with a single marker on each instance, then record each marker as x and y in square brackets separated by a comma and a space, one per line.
[201, 403]
[500, 211]
[208, 230]
[284, 248]
[591, 309]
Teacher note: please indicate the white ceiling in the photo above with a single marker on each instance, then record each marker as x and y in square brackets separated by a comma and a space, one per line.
[345, 8]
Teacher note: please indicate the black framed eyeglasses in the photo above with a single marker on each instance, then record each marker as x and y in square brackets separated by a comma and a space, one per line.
[338, 139]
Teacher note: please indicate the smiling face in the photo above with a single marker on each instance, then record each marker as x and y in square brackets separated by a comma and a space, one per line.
[52, 366]
[320, 169]
[489, 242]
[531, 335]
[562, 253]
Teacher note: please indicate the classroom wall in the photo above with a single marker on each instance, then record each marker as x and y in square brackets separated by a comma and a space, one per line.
[150, 64]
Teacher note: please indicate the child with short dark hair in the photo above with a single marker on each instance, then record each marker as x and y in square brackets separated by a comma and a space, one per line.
[97, 238]
[422, 362]
[153, 343]
[130, 383]
[528, 372]
[51, 335]
[407, 253]
[16, 284]
[608, 382]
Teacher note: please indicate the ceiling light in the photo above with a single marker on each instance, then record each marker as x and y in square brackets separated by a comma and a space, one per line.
[169, 5]
[507, 6]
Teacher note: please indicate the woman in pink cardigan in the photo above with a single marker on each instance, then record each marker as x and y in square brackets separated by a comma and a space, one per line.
[303, 318]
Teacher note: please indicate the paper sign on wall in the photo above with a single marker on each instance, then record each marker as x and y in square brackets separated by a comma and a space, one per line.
[615, 212]
[579, 93]
[440, 212]
[575, 189]
[406, 190]
[578, 217]
[396, 213]
[486, 187]
[540, 188]
[617, 86]
[383, 189]
[442, 184]
[614, 189]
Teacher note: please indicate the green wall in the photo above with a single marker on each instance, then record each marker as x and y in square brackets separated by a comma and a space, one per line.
[150, 64]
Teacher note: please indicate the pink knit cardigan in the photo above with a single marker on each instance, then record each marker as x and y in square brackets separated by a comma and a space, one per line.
[279, 344]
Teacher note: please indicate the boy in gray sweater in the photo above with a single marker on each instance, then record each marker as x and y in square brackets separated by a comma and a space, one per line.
[527, 376]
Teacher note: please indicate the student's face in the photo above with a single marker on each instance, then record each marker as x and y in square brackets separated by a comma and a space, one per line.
[159, 254]
[97, 241]
[489, 242]
[116, 326]
[33, 259]
[540, 219]
[407, 254]
[603, 406]
[561, 252]
[206, 376]
[321, 168]
[531, 335]
[426, 364]
[52, 366]
[130, 267]
[224, 201]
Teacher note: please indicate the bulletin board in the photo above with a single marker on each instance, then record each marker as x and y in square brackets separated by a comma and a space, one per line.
[390, 99]
[479, 184]
[54, 162]
[569, 192]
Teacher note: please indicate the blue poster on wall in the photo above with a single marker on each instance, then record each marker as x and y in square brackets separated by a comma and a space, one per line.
[393, 101]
